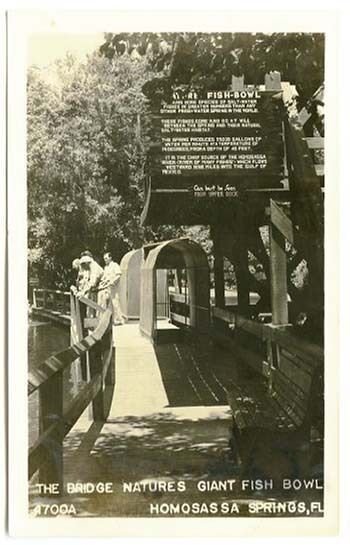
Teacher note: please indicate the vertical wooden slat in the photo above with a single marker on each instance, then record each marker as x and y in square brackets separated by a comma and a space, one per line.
[51, 411]
[273, 81]
[278, 272]
[307, 212]
[106, 347]
[178, 284]
[80, 316]
[76, 335]
[219, 281]
[96, 366]
[241, 260]
[242, 275]
[237, 83]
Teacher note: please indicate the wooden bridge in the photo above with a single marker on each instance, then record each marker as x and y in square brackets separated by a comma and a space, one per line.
[148, 412]
[165, 401]
[205, 389]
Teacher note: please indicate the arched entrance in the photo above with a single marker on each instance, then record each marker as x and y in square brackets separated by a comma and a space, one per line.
[176, 255]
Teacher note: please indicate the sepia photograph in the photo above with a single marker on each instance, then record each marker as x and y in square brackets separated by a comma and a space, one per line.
[175, 278]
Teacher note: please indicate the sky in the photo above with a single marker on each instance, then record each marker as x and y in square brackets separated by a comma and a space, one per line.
[43, 49]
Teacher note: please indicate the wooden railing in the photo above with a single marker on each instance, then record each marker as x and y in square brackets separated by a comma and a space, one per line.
[95, 351]
[265, 347]
[53, 300]
[316, 145]
[261, 346]
[179, 308]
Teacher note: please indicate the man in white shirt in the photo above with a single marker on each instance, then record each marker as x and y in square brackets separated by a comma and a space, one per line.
[109, 286]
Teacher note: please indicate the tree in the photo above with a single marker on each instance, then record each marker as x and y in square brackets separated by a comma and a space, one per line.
[210, 60]
[85, 161]
[206, 61]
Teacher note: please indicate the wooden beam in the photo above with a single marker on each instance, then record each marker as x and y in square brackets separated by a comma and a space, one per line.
[90, 323]
[178, 298]
[319, 170]
[219, 280]
[278, 275]
[179, 318]
[242, 275]
[303, 116]
[91, 304]
[281, 221]
[315, 142]
[273, 81]
[96, 369]
[51, 411]
[301, 348]
[224, 315]
[237, 83]
[235, 248]
[73, 412]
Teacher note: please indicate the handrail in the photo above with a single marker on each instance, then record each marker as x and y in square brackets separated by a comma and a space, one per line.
[88, 302]
[37, 290]
[47, 452]
[268, 332]
[60, 361]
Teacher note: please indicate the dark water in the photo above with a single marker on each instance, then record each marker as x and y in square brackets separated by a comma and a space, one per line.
[44, 339]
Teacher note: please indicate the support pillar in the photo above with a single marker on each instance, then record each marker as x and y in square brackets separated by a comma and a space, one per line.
[219, 280]
[278, 271]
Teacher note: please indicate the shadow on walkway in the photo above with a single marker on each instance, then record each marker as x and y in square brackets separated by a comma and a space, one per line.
[195, 372]
[182, 444]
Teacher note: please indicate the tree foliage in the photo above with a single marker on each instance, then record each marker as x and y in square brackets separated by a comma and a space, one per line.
[210, 60]
[85, 160]
[88, 129]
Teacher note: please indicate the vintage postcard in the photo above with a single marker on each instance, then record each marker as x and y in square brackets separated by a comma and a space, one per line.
[172, 351]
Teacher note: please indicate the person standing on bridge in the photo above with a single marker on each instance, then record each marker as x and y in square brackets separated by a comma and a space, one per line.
[109, 287]
[80, 277]
[92, 274]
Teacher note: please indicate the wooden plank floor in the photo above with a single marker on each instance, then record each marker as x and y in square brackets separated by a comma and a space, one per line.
[139, 387]
[168, 421]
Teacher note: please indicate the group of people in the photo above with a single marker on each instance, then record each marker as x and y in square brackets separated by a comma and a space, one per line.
[97, 283]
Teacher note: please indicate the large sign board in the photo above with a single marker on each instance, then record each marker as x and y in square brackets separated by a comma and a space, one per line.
[216, 141]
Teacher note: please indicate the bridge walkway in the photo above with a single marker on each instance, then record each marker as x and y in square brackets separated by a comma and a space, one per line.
[168, 421]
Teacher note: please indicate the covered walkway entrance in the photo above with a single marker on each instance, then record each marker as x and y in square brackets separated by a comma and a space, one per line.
[187, 264]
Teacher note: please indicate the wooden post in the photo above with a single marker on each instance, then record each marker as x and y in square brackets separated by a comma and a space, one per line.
[76, 335]
[242, 275]
[278, 274]
[219, 281]
[273, 81]
[81, 314]
[108, 350]
[241, 260]
[51, 411]
[237, 83]
[34, 298]
[107, 345]
[96, 367]
[178, 286]
[44, 298]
